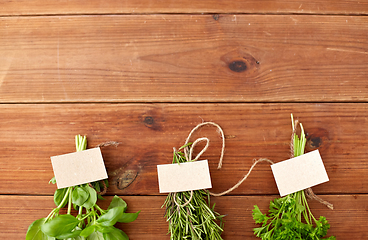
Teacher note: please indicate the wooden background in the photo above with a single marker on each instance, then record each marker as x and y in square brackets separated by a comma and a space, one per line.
[144, 73]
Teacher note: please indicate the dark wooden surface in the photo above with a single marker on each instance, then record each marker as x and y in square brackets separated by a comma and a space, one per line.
[31, 133]
[144, 73]
[183, 58]
[41, 7]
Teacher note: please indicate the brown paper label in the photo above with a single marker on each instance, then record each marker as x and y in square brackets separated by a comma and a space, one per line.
[299, 173]
[184, 176]
[78, 168]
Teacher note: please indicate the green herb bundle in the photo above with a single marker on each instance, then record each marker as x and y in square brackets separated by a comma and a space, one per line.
[290, 217]
[91, 222]
[194, 220]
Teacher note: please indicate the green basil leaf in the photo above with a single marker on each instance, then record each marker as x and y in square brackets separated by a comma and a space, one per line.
[88, 231]
[117, 234]
[59, 195]
[34, 231]
[111, 217]
[97, 186]
[52, 180]
[100, 197]
[76, 238]
[103, 229]
[128, 217]
[73, 234]
[91, 201]
[117, 202]
[79, 196]
[59, 225]
[95, 236]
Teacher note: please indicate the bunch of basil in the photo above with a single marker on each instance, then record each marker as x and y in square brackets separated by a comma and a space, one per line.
[91, 222]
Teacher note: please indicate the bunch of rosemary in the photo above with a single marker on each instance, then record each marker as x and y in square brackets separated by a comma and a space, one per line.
[195, 220]
[290, 217]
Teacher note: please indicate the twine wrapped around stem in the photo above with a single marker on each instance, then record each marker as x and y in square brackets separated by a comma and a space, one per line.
[195, 218]
[309, 192]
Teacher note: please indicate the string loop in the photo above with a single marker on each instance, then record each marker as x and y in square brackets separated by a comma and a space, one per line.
[189, 152]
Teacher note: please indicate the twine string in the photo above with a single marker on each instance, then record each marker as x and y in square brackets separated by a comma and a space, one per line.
[103, 190]
[186, 203]
[222, 136]
[201, 152]
[189, 152]
[308, 191]
[189, 159]
[256, 161]
[109, 143]
[188, 155]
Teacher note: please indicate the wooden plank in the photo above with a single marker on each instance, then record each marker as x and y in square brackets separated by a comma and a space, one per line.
[183, 58]
[38, 7]
[31, 133]
[347, 220]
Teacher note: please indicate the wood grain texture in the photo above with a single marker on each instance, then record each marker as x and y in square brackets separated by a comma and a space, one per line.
[347, 220]
[183, 58]
[31, 133]
[39, 7]
[144, 73]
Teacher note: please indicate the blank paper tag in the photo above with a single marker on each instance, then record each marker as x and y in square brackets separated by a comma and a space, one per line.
[184, 176]
[299, 173]
[78, 168]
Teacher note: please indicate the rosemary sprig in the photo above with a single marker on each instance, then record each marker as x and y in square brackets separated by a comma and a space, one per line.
[196, 220]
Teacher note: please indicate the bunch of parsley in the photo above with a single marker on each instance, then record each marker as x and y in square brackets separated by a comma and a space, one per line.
[290, 217]
[91, 223]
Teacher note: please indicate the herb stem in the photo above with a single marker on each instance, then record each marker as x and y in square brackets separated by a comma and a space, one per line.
[87, 215]
[56, 210]
[51, 214]
[94, 215]
[62, 203]
[100, 209]
[70, 200]
[80, 211]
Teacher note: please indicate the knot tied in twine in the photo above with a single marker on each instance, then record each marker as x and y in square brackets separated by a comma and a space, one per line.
[188, 152]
